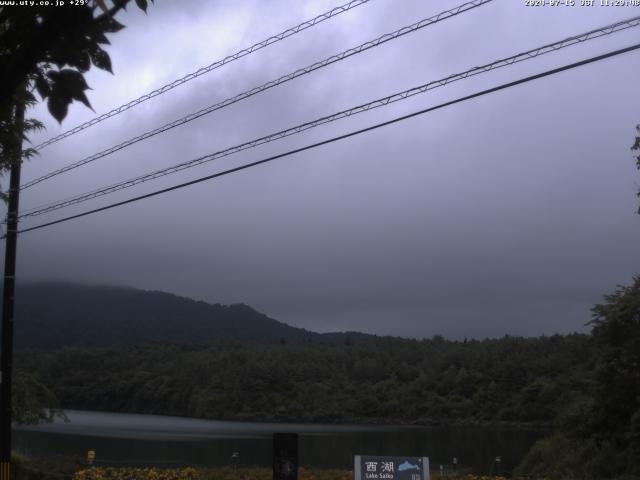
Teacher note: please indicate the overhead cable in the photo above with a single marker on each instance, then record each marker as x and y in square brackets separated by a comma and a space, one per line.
[217, 64]
[266, 86]
[607, 30]
[341, 137]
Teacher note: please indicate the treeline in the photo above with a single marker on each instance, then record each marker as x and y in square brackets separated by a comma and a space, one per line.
[522, 381]
[598, 434]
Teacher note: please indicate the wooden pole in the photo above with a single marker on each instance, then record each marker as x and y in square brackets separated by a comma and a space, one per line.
[8, 294]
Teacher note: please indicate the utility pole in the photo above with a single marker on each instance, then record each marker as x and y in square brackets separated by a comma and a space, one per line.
[14, 156]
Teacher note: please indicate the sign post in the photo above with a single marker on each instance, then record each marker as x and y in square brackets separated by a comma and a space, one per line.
[390, 468]
[285, 456]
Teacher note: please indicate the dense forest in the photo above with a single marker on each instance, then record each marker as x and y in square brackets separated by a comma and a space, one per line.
[584, 389]
[501, 381]
[598, 434]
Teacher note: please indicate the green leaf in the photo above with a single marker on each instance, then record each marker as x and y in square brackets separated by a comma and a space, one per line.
[42, 86]
[29, 152]
[142, 5]
[82, 61]
[29, 98]
[112, 26]
[102, 6]
[75, 85]
[101, 59]
[56, 54]
[68, 85]
[58, 107]
[69, 79]
[81, 97]
[33, 124]
[98, 36]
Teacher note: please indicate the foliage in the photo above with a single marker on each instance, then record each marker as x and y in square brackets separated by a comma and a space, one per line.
[599, 435]
[560, 458]
[636, 148]
[72, 469]
[230, 474]
[33, 402]
[139, 474]
[47, 49]
[502, 381]
[12, 135]
[204, 474]
[23, 468]
[616, 413]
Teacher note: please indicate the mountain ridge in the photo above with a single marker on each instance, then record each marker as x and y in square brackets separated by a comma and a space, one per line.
[52, 314]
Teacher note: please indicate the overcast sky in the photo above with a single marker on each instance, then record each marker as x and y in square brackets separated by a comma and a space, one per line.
[508, 214]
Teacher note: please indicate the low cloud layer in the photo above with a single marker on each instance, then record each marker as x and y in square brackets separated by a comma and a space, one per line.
[509, 214]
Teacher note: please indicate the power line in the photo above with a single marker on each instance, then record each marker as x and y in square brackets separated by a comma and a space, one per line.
[217, 64]
[607, 30]
[590, 35]
[344, 136]
[266, 86]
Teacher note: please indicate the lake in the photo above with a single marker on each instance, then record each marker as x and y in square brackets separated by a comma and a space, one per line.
[131, 439]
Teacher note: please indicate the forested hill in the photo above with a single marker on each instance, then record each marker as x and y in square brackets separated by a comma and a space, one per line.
[499, 381]
[53, 315]
[152, 352]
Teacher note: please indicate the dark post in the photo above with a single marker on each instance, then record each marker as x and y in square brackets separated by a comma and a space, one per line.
[6, 360]
[285, 456]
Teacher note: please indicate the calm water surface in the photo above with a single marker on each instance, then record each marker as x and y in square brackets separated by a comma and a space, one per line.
[174, 441]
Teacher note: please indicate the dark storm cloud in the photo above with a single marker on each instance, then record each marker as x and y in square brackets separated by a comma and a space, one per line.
[509, 214]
